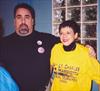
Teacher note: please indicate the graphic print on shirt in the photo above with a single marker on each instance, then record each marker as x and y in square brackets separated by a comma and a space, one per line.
[65, 72]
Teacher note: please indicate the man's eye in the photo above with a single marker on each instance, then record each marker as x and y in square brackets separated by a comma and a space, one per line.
[27, 17]
[18, 17]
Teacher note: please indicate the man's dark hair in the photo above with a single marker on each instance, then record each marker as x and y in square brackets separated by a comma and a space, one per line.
[72, 24]
[26, 6]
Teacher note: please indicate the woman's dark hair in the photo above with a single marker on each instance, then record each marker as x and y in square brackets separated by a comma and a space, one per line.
[70, 23]
[26, 6]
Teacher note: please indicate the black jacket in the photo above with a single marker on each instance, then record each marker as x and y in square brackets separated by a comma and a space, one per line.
[28, 59]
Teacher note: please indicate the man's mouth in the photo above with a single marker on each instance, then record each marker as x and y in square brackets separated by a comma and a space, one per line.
[23, 29]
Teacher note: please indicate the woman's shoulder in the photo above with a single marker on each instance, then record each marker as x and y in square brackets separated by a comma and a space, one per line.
[82, 48]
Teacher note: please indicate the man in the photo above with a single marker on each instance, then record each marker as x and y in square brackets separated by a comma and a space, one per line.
[26, 52]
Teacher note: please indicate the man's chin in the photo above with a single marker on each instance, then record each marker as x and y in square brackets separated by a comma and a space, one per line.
[23, 34]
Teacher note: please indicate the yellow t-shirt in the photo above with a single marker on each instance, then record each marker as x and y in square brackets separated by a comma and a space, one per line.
[73, 70]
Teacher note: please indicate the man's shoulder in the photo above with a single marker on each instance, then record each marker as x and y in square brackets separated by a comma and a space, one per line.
[6, 39]
[46, 35]
[9, 36]
[47, 38]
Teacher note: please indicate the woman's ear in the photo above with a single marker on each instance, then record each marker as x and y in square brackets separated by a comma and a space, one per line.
[76, 35]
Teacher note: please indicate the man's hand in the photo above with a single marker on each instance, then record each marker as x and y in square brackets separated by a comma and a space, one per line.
[91, 51]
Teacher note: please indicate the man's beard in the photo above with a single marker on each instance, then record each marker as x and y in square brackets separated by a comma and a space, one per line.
[23, 29]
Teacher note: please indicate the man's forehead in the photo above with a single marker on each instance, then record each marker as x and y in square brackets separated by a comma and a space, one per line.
[23, 11]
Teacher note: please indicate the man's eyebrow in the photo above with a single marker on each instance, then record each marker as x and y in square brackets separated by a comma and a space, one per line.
[21, 15]
[27, 15]
[18, 15]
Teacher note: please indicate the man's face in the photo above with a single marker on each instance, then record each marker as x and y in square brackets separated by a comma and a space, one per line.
[23, 22]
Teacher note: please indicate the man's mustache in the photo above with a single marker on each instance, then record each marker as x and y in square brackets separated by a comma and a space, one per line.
[23, 26]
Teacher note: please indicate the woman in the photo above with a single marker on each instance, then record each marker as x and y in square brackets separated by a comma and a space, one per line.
[73, 67]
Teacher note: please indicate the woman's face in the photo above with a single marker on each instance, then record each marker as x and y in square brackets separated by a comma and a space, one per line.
[67, 36]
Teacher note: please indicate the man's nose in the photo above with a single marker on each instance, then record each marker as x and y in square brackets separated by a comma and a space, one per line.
[23, 20]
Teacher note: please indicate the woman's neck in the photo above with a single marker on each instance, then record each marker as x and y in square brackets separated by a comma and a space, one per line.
[71, 47]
